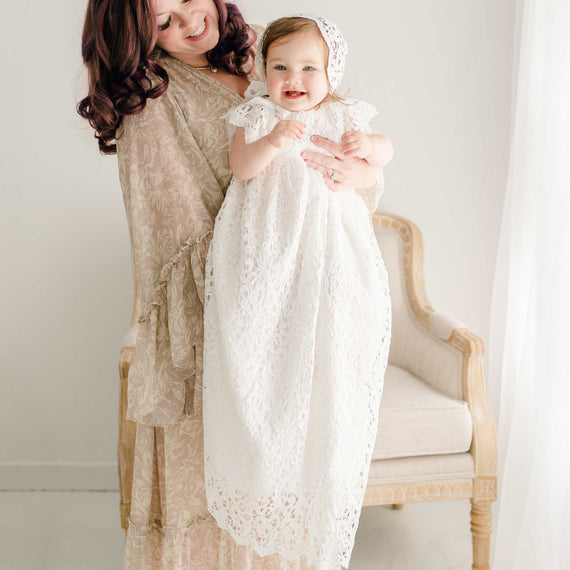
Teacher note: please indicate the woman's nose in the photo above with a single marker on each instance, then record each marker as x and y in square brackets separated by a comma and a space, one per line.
[187, 20]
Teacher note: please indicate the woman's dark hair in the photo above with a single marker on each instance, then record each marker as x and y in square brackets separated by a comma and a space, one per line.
[233, 50]
[118, 44]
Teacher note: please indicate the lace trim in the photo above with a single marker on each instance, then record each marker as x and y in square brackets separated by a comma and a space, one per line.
[289, 522]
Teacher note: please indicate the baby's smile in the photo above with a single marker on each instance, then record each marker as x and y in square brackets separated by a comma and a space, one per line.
[291, 94]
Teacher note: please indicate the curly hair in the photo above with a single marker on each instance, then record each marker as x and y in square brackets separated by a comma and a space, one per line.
[118, 48]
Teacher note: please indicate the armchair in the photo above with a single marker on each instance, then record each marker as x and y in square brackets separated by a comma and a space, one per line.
[436, 435]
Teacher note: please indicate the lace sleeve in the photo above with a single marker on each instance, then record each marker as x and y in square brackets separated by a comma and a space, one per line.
[252, 116]
[358, 116]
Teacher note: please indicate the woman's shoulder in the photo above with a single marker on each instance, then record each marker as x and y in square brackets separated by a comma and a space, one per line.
[155, 109]
[160, 119]
[254, 71]
[258, 32]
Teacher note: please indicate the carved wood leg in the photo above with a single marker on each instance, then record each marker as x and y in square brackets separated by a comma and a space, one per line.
[126, 442]
[481, 521]
[398, 506]
[484, 493]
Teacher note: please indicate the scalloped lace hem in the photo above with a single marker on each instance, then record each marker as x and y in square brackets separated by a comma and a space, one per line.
[290, 524]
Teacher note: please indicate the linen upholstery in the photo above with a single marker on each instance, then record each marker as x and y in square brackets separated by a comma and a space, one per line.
[425, 468]
[414, 347]
[417, 420]
[445, 362]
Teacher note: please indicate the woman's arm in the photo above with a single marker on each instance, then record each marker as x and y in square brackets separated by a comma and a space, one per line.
[248, 160]
[171, 199]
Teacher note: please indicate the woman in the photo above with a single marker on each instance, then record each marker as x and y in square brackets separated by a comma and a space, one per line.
[163, 73]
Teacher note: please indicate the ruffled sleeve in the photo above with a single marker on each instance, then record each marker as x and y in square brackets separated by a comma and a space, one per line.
[254, 114]
[358, 116]
[171, 199]
[165, 377]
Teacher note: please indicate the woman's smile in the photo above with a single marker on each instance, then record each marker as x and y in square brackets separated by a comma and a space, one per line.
[197, 35]
[187, 30]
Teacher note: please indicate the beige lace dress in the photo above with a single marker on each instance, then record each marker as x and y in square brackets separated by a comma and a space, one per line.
[173, 165]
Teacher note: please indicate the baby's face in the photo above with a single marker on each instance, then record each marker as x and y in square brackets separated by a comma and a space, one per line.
[296, 70]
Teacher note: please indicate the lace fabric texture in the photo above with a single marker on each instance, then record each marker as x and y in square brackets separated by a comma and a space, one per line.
[338, 48]
[296, 339]
[173, 162]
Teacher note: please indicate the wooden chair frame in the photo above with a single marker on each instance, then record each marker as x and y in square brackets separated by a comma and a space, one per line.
[482, 488]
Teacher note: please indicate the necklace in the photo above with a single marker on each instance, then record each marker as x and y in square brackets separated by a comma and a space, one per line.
[212, 69]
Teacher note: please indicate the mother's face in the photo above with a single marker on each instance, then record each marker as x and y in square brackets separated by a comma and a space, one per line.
[187, 29]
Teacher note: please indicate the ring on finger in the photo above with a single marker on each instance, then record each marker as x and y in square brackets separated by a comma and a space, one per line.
[333, 176]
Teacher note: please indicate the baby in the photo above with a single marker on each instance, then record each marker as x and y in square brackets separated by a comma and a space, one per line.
[297, 311]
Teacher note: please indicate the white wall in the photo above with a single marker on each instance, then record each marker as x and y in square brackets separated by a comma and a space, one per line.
[440, 74]
[66, 288]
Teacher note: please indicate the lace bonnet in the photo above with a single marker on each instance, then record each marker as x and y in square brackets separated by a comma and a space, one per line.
[338, 48]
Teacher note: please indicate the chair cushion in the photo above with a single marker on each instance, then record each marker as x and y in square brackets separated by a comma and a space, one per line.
[415, 419]
[422, 468]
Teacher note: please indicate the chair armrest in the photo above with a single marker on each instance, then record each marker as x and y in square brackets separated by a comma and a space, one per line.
[415, 346]
[130, 338]
[443, 325]
[421, 350]
[434, 346]
[428, 343]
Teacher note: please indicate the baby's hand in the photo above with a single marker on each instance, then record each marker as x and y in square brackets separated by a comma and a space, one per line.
[285, 131]
[355, 143]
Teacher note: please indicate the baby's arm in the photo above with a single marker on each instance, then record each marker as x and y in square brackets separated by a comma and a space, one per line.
[248, 160]
[376, 149]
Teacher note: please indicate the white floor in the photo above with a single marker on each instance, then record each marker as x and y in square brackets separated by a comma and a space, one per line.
[80, 530]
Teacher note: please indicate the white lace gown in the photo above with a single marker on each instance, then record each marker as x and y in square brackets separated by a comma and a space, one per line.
[297, 331]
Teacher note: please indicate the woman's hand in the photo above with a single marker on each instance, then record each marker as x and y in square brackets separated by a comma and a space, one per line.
[340, 172]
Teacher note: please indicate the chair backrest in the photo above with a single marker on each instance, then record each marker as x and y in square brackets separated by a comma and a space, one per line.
[394, 237]
[412, 340]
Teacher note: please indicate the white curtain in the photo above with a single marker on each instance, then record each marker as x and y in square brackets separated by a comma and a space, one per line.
[529, 379]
